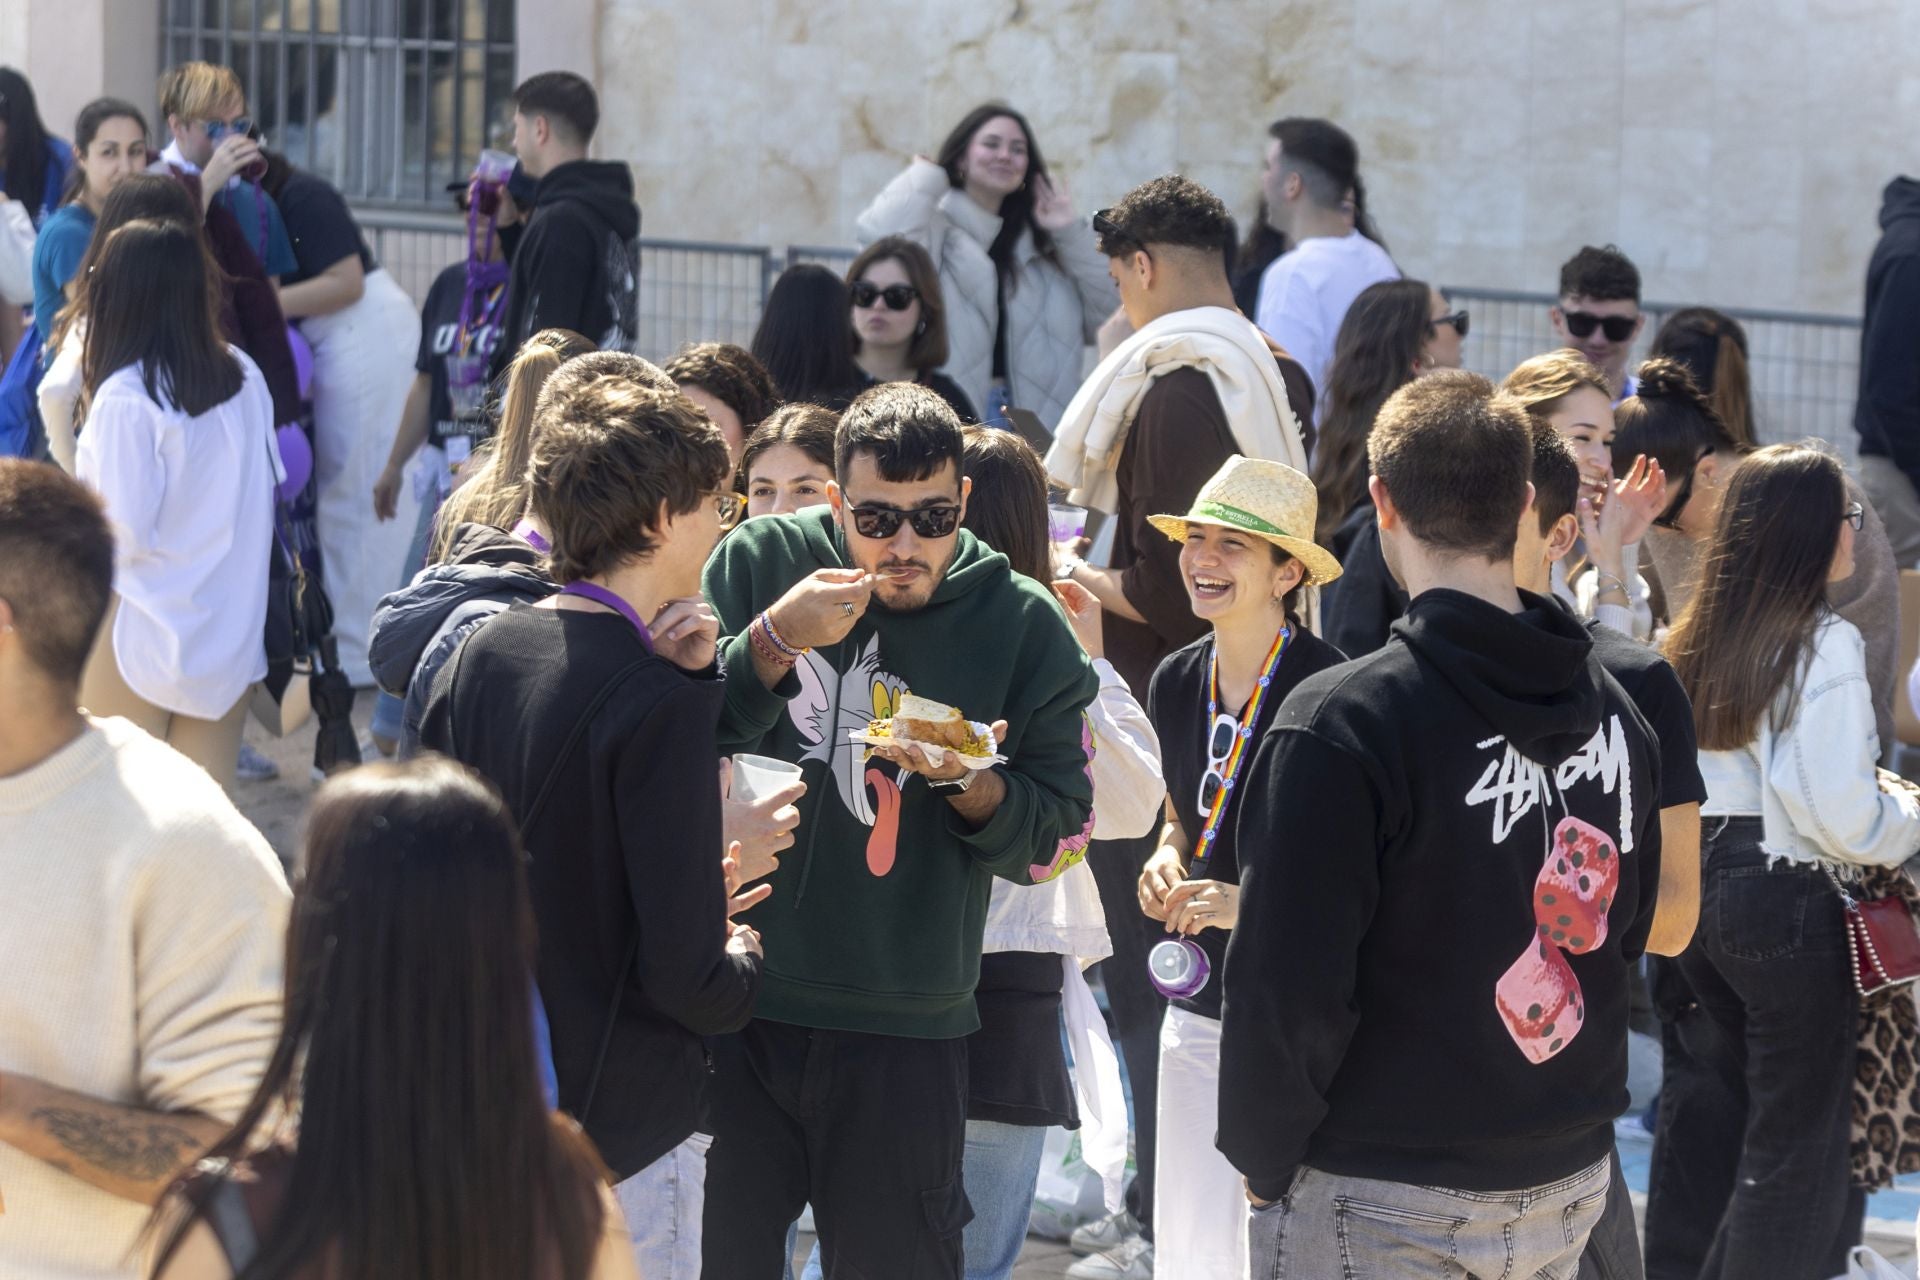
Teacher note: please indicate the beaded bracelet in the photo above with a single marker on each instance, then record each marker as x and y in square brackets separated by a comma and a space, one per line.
[766, 622]
[767, 651]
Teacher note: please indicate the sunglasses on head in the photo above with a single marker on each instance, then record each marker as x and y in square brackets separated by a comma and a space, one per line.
[898, 297]
[1113, 236]
[1219, 746]
[1581, 324]
[874, 521]
[1457, 319]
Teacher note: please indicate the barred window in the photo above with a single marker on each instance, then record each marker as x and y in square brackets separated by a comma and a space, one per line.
[389, 100]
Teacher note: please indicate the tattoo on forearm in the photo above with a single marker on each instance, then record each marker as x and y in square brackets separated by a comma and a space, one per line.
[140, 1151]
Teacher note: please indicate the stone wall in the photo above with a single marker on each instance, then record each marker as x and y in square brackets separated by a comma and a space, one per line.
[1734, 148]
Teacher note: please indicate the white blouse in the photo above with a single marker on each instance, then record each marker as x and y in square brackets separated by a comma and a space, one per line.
[190, 500]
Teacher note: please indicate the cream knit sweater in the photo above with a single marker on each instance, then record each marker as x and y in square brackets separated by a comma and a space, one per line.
[142, 923]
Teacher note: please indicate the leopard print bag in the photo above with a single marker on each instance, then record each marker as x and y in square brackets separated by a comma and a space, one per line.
[1886, 1082]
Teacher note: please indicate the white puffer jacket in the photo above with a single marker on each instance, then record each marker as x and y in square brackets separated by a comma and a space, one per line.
[1052, 313]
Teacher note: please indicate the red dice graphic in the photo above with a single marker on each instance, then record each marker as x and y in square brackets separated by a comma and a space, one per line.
[1576, 887]
[1539, 1000]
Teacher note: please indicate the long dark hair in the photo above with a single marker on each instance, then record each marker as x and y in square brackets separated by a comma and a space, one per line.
[1016, 209]
[1375, 354]
[805, 339]
[26, 158]
[1713, 347]
[1007, 507]
[85, 127]
[425, 1147]
[152, 301]
[139, 195]
[1748, 631]
[806, 427]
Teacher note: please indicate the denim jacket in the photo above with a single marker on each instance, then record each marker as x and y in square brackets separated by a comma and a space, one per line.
[1816, 762]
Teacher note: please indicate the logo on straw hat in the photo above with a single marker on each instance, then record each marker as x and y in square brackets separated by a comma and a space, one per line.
[1267, 499]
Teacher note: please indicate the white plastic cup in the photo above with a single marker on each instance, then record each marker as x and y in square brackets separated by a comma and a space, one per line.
[757, 777]
[1065, 522]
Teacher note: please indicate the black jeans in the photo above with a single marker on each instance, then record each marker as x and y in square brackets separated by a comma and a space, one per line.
[871, 1129]
[1137, 1008]
[1750, 1162]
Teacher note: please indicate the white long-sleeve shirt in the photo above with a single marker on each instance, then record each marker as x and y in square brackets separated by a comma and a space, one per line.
[190, 500]
[1809, 774]
[142, 928]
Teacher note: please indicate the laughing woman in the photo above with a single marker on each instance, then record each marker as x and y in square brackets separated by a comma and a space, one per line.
[1210, 702]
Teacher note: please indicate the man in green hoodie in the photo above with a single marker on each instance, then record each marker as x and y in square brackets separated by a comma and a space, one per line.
[849, 1087]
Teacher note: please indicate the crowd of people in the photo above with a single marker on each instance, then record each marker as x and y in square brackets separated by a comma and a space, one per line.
[1071, 671]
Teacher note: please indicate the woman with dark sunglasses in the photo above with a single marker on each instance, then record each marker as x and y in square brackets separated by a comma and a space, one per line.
[1672, 422]
[1210, 703]
[900, 319]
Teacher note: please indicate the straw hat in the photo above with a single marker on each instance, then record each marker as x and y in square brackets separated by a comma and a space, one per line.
[1267, 499]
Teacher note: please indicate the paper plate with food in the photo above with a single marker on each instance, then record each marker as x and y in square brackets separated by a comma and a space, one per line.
[933, 726]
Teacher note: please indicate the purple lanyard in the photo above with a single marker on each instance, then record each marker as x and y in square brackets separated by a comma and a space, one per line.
[600, 595]
[531, 536]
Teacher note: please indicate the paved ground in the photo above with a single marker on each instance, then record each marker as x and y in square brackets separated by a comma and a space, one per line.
[277, 809]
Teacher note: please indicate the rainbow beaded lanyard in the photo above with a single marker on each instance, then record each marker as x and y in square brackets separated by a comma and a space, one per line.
[1237, 754]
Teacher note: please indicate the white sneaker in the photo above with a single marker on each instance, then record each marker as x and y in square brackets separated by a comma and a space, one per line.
[254, 767]
[1103, 1234]
[1132, 1259]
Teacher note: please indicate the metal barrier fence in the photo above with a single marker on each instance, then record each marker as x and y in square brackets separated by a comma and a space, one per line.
[1805, 367]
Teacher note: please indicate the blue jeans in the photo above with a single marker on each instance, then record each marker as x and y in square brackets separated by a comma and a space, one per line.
[663, 1205]
[1002, 1165]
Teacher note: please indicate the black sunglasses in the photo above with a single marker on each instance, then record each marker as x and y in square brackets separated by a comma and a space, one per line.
[1581, 324]
[898, 297]
[872, 521]
[1670, 518]
[1457, 319]
[1114, 238]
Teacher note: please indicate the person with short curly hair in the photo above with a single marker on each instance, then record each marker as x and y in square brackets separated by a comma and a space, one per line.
[735, 389]
[1598, 314]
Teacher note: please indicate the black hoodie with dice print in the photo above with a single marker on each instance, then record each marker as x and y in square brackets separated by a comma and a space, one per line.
[1449, 852]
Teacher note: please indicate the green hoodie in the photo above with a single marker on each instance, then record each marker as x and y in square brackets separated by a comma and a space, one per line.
[876, 915]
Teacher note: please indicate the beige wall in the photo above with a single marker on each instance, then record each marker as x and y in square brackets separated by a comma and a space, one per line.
[1734, 148]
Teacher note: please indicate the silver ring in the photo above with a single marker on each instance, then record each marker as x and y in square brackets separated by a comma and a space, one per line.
[846, 606]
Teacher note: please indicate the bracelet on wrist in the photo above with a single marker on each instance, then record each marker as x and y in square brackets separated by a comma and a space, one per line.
[1604, 581]
[766, 650]
[766, 625]
[1068, 568]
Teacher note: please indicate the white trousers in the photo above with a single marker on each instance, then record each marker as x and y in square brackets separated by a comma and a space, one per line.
[1199, 1203]
[362, 370]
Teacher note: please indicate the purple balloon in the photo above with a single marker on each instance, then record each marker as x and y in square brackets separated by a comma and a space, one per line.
[297, 455]
[302, 361]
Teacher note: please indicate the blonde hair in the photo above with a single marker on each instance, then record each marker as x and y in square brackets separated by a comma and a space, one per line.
[197, 90]
[1540, 384]
[495, 491]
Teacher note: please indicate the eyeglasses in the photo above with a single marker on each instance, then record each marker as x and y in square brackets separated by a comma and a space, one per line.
[727, 505]
[1855, 515]
[898, 297]
[218, 129]
[1670, 518]
[873, 521]
[1457, 319]
[1219, 747]
[1581, 324]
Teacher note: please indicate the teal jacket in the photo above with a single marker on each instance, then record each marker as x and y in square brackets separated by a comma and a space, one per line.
[877, 911]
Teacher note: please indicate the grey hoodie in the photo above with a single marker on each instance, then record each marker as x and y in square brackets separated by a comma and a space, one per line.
[419, 627]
